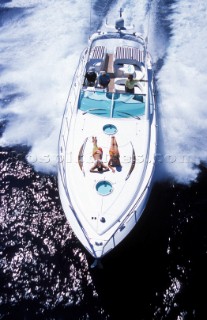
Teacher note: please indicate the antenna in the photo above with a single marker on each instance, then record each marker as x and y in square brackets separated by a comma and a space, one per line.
[148, 24]
[120, 11]
[90, 14]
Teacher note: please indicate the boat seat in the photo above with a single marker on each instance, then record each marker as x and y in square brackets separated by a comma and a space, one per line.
[139, 74]
[118, 70]
[98, 52]
[97, 58]
[120, 81]
[128, 55]
[119, 84]
[98, 66]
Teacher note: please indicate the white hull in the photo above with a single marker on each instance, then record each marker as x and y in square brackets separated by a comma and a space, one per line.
[102, 220]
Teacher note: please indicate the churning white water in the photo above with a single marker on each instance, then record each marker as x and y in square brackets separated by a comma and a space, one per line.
[40, 49]
[40, 46]
[182, 88]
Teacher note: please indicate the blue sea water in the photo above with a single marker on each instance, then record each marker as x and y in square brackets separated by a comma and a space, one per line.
[159, 271]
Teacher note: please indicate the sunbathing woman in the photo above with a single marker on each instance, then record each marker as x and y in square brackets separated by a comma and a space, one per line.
[114, 160]
[97, 155]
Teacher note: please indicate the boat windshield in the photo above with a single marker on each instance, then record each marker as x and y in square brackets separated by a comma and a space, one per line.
[112, 105]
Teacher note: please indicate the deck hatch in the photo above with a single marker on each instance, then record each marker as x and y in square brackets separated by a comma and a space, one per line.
[109, 129]
[104, 188]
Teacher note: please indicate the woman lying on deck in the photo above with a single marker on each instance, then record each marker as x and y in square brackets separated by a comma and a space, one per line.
[114, 160]
[97, 155]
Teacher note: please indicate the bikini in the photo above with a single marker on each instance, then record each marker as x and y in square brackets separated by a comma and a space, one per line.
[113, 153]
[97, 150]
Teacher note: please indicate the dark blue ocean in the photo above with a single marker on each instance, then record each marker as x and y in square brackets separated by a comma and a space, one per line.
[159, 272]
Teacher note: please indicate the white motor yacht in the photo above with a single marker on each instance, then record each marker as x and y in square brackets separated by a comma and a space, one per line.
[103, 205]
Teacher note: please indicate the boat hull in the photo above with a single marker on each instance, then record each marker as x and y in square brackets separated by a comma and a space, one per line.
[102, 217]
[118, 234]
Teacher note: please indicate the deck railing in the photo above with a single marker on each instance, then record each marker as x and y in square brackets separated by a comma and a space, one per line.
[70, 108]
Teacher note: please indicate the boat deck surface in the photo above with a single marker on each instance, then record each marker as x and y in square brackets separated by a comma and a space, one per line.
[104, 218]
[83, 182]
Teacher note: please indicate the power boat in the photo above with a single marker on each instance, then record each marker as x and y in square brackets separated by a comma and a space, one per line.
[102, 207]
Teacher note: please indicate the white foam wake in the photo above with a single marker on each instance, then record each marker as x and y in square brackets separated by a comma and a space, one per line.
[182, 88]
[40, 49]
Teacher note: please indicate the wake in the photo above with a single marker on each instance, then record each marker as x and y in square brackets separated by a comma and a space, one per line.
[40, 48]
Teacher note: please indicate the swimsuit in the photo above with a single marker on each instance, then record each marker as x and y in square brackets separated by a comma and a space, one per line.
[97, 150]
[113, 153]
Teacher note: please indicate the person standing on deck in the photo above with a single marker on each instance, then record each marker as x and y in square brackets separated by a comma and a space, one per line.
[103, 79]
[129, 84]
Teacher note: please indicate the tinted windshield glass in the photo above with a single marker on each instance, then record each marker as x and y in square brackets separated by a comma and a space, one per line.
[114, 105]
